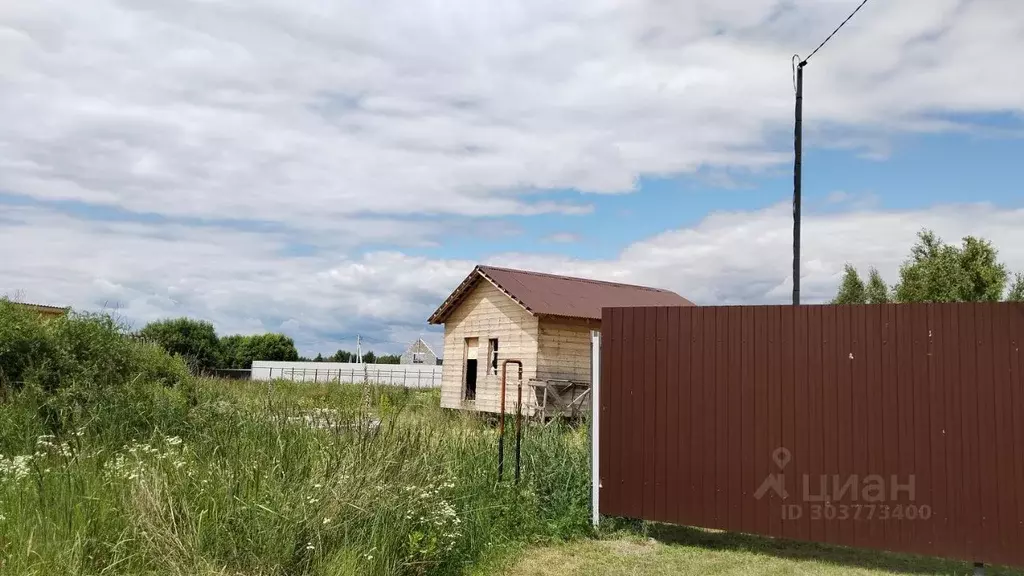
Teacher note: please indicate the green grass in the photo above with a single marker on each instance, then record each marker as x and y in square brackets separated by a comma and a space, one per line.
[678, 550]
[240, 483]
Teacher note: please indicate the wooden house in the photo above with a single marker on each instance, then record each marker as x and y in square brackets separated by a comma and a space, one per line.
[543, 320]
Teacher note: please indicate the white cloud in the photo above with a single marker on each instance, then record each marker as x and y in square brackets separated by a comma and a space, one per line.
[303, 113]
[328, 127]
[563, 238]
[242, 283]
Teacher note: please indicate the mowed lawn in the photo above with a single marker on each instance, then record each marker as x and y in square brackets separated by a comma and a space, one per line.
[683, 551]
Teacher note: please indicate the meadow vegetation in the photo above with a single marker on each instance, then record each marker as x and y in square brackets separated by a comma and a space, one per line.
[115, 460]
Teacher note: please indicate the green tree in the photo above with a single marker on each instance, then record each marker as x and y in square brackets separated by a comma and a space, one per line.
[342, 356]
[194, 340]
[851, 290]
[876, 292]
[1016, 293]
[239, 351]
[233, 351]
[319, 357]
[369, 357]
[939, 272]
[389, 359]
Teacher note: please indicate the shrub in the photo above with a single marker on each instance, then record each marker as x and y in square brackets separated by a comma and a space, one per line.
[194, 340]
[82, 370]
[24, 344]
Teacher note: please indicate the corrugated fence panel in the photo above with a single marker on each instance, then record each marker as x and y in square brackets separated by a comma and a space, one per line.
[891, 427]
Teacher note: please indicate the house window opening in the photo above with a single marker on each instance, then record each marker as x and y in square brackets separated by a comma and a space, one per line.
[494, 355]
[469, 375]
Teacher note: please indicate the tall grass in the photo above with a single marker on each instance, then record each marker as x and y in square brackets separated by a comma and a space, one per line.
[218, 477]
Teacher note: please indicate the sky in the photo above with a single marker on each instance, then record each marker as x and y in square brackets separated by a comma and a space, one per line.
[333, 169]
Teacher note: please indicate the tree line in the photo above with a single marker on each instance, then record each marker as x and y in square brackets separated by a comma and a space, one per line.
[197, 341]
[938, 272]
[369, 357]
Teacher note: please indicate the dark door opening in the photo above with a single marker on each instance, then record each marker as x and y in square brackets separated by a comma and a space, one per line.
[471, 379]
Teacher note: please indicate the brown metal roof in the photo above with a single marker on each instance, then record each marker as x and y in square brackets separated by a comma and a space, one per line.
[553, 295]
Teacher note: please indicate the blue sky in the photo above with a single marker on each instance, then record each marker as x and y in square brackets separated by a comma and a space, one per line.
[918, 172]
[337, 170]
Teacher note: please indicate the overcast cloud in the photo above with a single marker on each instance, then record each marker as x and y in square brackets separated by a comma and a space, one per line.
[332, 123]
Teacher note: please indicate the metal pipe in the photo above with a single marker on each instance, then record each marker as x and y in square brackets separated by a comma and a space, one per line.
[501, 422]
[519, 421]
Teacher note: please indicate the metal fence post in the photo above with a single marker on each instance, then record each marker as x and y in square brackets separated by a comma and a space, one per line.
[595, 419]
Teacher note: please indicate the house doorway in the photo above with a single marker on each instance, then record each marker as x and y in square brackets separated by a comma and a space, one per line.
[469, 374]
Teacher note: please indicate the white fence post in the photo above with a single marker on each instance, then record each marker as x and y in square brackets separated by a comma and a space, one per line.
[595, 420]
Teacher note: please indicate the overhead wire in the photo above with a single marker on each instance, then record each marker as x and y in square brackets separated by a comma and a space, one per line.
[838, 28]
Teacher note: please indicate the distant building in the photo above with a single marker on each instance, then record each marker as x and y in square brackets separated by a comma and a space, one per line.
[419, 353]
[46, 312]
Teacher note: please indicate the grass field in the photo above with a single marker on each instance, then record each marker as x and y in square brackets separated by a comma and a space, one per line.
[284, 479]
[678, 550]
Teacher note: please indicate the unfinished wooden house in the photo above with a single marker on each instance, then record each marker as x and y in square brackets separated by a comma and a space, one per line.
[543, 320]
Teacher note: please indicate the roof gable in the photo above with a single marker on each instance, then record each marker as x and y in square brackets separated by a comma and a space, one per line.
[418, 347]
[553, 295]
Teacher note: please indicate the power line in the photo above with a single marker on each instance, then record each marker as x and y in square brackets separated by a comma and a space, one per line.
[838, 28]
[798, 81]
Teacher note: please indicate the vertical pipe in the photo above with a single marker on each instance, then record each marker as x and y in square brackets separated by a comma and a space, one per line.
[501, 423]
[519, 422]
[797, 177]
[595, 415]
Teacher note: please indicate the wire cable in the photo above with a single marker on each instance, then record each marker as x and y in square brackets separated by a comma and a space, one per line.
[796, 58]
[838, 28]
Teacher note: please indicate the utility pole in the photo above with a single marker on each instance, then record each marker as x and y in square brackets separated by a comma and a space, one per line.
[797, 177]
[359, 351]
[798, 152]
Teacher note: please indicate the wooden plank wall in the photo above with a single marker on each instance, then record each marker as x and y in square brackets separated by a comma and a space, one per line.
[487, 313]
[700, 407]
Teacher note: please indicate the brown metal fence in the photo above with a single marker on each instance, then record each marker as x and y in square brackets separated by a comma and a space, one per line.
[893, 427]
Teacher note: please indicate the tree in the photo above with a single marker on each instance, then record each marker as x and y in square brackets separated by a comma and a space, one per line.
[319, 357]
[233, 352]
[272, 347]
[938, 272]
[389, 359]
[240, 351]
[876, 292]
[1016, 293]
[194, 340]
[342, 356]
[369, 357]
[851, 290]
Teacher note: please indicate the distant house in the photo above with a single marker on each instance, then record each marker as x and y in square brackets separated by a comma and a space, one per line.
[543, 320]
[46, 312]
[419, 353]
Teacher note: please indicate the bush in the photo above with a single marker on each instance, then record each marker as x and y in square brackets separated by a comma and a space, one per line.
[194, 340]
[24, 344]
[82, 369]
